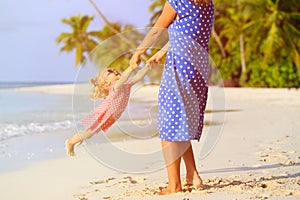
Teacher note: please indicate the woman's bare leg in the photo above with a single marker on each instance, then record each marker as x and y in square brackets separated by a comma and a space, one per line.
[192, 176]
[172, 152]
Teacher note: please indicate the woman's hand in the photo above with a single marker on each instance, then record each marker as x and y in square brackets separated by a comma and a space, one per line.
[157, 58]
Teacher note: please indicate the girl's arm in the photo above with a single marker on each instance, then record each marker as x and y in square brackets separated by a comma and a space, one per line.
[124, 77]
[141, 73]
[165, 19]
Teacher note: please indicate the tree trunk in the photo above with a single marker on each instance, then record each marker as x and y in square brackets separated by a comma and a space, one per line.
[242, 50]
[110, 26]
[219, 42]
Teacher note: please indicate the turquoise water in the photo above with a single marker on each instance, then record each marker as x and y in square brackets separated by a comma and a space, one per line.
[7, 85]
[25, 117]
[25, 113]
[34, 125]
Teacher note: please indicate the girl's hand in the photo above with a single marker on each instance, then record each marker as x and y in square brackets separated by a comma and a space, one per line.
[133, 66]
[135, 59]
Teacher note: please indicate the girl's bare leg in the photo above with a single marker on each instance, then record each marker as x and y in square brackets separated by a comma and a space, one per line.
[192, 176]
[76, 139]
[70, 143]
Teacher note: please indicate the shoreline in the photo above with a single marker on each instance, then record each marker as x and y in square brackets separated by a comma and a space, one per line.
[141, 92]
[68, 88]
[52, 89]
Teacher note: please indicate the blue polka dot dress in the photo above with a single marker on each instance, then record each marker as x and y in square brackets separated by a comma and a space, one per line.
[184, 85]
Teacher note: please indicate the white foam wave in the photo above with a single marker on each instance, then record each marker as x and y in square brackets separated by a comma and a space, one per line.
[9, 130]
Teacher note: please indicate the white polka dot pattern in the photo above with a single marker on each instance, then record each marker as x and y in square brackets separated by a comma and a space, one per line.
[184, 85]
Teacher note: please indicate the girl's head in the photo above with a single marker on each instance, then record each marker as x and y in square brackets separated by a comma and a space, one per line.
[102, 82]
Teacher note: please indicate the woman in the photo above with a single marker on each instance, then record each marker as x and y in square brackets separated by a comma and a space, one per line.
[184, 85]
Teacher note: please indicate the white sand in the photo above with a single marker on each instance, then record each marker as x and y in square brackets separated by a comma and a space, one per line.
[55, 89]
[139, 91]
[257, 157]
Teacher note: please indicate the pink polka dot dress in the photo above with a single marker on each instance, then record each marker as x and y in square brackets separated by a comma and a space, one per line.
[110, 110]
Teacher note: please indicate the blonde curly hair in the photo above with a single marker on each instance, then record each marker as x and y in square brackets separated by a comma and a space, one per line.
[100, 86]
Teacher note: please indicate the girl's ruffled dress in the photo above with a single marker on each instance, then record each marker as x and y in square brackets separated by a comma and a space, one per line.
[110, 110]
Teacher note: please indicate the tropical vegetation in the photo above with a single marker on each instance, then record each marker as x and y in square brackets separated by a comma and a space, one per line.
[255, 43]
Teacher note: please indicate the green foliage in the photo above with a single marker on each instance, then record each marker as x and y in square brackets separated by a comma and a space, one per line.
[80, 39]
[104, 48]
[111, 51]
[256, 43]
[282, 74]
[269, 45]
[156, 8]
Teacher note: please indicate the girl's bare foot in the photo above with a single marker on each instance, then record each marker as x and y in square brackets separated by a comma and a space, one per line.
[69, 148]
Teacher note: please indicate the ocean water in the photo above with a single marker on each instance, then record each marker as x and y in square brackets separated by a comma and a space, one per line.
[12, 85]
[24, 113]
[35, 125]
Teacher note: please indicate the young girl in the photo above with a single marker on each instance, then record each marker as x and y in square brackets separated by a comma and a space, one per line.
[115, 89]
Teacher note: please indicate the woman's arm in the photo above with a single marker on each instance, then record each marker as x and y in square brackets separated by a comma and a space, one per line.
[165, 19]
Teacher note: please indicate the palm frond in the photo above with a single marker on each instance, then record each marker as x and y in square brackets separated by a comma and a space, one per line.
[63, 36]
[85, 22]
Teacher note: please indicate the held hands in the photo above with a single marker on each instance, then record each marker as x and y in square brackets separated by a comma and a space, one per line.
[148, 65]
[156, 58]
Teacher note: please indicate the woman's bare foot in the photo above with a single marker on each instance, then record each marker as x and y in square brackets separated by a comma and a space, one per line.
[69, 148]
[166, 191]
[195, 180]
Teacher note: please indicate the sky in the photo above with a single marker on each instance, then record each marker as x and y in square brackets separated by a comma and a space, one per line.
[28, 30]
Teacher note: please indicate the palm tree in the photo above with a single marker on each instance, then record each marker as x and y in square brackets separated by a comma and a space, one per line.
[110, 25]
[156, 8]
[80, 39]
[263, 33]
[232, 30]
[84, 42]
[275, 30]
[113, 51]
[227, 46]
